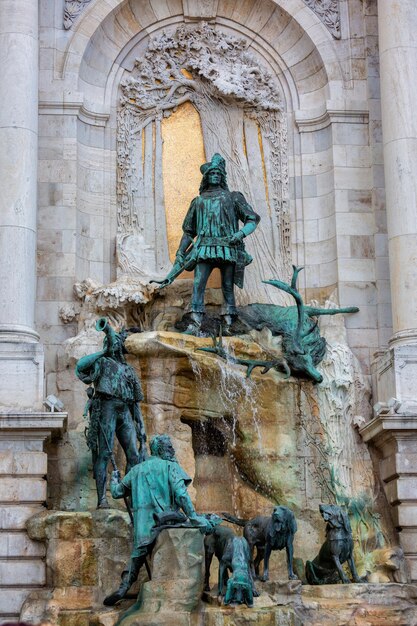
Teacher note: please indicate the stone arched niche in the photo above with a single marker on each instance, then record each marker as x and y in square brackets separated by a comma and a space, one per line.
[241, 116]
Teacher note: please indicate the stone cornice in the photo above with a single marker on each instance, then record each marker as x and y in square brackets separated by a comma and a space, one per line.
[38, 425]
[383, 427]
[335, 112]
[53, 107]
[73, 107]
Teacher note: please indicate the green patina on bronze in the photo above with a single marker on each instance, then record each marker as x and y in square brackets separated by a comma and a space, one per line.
[158, 492]
[212, 238]
[302, 346]
[112, 407]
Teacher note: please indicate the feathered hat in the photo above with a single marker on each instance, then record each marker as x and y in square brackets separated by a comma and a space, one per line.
[217, 163]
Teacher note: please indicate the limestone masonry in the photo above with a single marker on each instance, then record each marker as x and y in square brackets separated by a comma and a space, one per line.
[107, 109]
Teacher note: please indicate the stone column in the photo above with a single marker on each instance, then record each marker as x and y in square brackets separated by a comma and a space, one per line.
[397, 21]
[394, 428]
[21, 360]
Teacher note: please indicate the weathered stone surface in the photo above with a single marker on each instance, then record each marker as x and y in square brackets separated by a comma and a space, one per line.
[85, 556]
[177, 580]
[284, 437]
[293, 604]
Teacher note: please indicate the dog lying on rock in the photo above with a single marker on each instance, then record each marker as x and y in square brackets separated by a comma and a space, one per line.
[233, 555]
[326, 569]
[267, 534]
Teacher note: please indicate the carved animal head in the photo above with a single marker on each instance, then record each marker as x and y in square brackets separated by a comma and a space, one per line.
[335, 517]
[283, 520]
[299, 345]
[388, 559]
[300, 362]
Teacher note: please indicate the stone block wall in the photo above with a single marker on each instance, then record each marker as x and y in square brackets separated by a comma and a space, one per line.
[85, 554]
[23, 493]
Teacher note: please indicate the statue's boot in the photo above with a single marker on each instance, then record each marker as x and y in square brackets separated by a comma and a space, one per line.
[194, 327]
[128, 578]
[101, 478]
[227, 324]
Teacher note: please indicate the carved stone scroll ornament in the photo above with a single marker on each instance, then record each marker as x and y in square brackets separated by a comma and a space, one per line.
[241, 112]
[72, 9]
[329, 13]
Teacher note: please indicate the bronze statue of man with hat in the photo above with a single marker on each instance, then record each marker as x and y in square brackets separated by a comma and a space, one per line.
[212, 238]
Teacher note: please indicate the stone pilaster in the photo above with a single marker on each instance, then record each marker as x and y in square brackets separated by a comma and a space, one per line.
[394, 429]
[398, 66]
[21, 359]
[395, 436]
[23, 467]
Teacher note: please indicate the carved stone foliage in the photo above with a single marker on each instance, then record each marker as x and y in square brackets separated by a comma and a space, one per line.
[329, 13]
[241, 112]
[72, 10]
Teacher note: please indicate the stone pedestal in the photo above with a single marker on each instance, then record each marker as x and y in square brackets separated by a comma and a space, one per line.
[393, 431]
[395, 437]
[85, 554]
[174, 592]
[22, 376]
[23, 467]
[394, 377]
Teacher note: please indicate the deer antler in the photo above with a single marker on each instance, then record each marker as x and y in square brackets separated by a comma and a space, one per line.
[250, 364]
[293, 291]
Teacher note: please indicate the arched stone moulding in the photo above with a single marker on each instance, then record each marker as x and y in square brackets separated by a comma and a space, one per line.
[329, 12]
[292, 43]
[100, 12]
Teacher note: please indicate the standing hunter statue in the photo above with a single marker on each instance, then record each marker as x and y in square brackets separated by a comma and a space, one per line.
[212, 238]
[113, 407]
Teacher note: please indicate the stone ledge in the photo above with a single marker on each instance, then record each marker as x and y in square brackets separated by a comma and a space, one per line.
[37, 422]
[292, 603]
[382, 425]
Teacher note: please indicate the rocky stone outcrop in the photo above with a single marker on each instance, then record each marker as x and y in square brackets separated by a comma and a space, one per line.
[85, 555]
[174, 592]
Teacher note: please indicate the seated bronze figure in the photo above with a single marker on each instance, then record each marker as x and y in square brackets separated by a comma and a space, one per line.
[326, 569]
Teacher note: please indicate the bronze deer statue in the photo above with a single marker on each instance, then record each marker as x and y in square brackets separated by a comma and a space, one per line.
[302, 345]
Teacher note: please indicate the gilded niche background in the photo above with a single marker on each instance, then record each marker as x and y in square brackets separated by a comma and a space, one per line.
[241, 114]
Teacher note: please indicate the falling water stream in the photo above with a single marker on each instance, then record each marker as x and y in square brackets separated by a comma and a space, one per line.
[236, 392]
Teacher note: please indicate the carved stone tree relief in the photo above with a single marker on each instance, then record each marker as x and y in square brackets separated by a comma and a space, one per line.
[329, 13]
[242, 117]
[72, 9]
